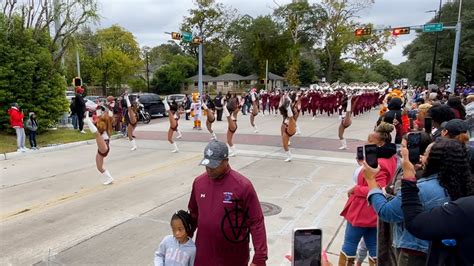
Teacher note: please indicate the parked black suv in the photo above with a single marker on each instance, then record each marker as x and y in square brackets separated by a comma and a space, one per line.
[152, 103]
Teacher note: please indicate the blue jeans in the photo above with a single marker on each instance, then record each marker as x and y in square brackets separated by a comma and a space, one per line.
[74, 121]
[354, 234]
[33, 139]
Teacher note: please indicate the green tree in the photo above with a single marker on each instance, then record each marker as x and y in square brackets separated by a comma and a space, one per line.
[28, 74]
[303, 23]
[119, 57]
[339, 39]
[420, 51]
[170, 77]
[386, 69]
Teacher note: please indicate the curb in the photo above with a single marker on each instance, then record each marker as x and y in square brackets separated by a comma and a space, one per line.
[12, 155]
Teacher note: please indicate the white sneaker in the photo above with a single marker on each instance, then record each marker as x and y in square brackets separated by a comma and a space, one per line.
[214, 136]
[256, 129]
[314, 117]
[23, 149]
[288, 156]
[179, 135]
[20, 150]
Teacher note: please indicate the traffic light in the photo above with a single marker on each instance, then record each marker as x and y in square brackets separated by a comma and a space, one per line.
[176, 36]
[197, 40]
[363, 32]
[77, 82]
[400, 31]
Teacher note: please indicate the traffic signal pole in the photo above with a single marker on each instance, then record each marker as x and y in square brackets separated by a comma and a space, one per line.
[436, 44]
[200, 86]
[454, 68]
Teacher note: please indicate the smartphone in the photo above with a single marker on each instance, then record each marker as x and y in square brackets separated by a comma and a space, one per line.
[360, 153]
[370, 155]
[428, 125]
[307, 247]
[414, 140]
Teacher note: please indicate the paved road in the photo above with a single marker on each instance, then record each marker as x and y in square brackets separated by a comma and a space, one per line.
[54, 209]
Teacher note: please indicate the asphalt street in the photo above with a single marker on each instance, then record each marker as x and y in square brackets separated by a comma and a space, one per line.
[55, 211]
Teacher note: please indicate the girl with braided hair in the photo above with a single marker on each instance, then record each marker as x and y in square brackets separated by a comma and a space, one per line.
[103, 131]
[288, 126]
[177, 249]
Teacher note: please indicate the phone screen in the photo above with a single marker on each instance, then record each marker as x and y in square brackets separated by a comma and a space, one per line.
[307, 246]
[414, 140]
[360, 153]
[428, 125]
[371, 155]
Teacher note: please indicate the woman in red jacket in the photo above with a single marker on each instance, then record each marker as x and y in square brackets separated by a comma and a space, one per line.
[16, 121]
[360, 216]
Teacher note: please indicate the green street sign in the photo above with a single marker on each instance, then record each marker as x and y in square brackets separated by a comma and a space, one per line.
[187, 36]
[434, 27]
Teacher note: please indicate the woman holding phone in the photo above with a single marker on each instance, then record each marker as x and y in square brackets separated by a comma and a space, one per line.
[361, 218]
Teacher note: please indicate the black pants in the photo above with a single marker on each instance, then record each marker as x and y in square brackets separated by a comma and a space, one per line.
[80, 120]
[219, 114]
[33, 139]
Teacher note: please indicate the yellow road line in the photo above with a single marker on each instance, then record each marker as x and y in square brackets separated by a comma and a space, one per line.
[82, 193]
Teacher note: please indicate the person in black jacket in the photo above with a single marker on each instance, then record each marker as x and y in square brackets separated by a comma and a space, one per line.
[449, 227]
[80, 108]
[218, 104]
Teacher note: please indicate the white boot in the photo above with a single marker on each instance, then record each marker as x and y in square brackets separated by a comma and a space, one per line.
[134, 145]
[214, 136]
[256, 129]
[298, 130]
[179, 134]
[175, 148]
[343, 144]
[288, 156]
[89, 123]
[107, 177]
[232, 151]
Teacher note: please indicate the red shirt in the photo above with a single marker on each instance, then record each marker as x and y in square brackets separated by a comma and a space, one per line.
[222, 237]
[16, 117]
[357, 211]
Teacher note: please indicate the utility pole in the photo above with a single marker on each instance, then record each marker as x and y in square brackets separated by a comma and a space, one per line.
[147, 72]
[454, 68]
[78, 63]
[266, 76]
[436, 45]
[200, 85]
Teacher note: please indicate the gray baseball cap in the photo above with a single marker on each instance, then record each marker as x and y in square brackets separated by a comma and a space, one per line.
[214, 153]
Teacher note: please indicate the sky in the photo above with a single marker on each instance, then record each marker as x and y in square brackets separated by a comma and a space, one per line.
[148, 20]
